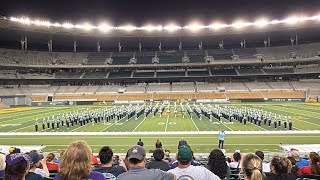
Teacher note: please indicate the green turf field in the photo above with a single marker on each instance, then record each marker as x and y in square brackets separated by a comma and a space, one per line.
[305, 117]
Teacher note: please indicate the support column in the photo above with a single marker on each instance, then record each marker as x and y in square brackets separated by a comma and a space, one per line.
[200, 45]
[269, 42]
[119, 46]
[297, 42]
[140, 47]
[160, 46]
[98, 47]
[25, 43]
[180, 46]
[74, 46]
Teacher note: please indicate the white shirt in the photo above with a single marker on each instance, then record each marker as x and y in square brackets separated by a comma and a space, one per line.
[235, 165]
[266, 167]
[194, 172]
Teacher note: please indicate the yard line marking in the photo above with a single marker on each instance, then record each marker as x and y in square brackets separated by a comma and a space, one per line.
[139, 123]
[195, 124]
[310, 122]
[20, 128]
[167, 123]
[223, 123]
[259, 126]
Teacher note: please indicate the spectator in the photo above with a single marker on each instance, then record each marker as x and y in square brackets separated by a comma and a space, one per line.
[94, 160]
[280, 169]
[300, 162]
[106, 156]
[314, 168]
[265, 166]
[136, 162]
[252, 167]
[140, 143]
[76, 163]
[42, 169]
[186, 171]
[235, 164]
[294, 168]
[158, 162]
[17, 166]
[34, 164]
[193, 162]
[217, 164]
[167, 156]
[158, 144]
[182, 142]
[2, 165]
[51, 162]
[58, 160]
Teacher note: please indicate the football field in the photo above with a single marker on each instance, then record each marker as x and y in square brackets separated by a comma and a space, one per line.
[168, 127]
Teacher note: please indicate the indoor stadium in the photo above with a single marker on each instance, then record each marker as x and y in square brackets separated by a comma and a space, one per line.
[185, 81]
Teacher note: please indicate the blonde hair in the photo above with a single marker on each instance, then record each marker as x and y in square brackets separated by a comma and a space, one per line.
[252, 167]
[2, 162]
[76, 161]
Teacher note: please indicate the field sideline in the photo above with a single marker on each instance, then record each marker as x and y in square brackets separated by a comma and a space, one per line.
[305, 117]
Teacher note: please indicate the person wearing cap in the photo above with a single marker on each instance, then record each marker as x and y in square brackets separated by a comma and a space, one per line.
[186, 171]
[35, 164]
[17, 166]
[300, 162]
[136, 157]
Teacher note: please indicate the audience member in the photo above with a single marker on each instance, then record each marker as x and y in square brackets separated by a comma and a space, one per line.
[76, 163]
[158, 162]
[300, 162]
[235, 163]
[34, 164]
[218, 165]
[294, 168]
[158, 144]
[167, 156]
[2, 165]
[106, 168]
[280, 169]
[51, 162]
[140, 143]
[193, 162]
[42, 168]
[182, 142]
[58, 160]
[252, 167]
[265, 166]
[17, 166]
[186, 171]
[314, 168]
[94, 160]
[136, 162]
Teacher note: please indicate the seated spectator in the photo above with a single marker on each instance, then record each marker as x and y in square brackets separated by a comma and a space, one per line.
[106, 168]
[42, 168]
[300, 162]
[218, 165]
[158, 144]
[59, 158]
[182, 142]
[235, 163]
[94, 160]
[76, 163]
[136, 162]
[17, 166]
[186, 171]
[280, 169]
[167, 156]
[34, 164]
[2, 165]
[294, 169]
[265, 166]
[314, 168]
[158, 162]
[193, 162]
[51, 162]
[252, 167]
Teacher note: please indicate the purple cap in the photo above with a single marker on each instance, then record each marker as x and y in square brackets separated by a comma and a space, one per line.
[13, 159]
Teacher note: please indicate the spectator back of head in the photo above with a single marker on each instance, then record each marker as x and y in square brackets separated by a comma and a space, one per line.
[184, 155]
[158, 154]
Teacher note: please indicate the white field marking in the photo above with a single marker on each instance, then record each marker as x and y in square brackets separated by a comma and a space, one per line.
[259, 126]
[114, 123]
[195, 124]
[221, 122]
[165, 130]
[139, 124]
[155, 137]
[309, 122]
[21, 128]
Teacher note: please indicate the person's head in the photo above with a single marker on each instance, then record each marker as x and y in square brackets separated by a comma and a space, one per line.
[105, 155]
[260, 154]
[158, 154]
[217, 163]
[34, 160]
[16, 150]
[50, 157]
[295, 154]
[17, 166]
[139, 139]
[158, 141]
[252, 167]
[136, 156]
[2, 162]
[280, 165]
[184, 155]
[315, 164]
[236, 156]
[167, 153]
[76, 161]
[294, 168]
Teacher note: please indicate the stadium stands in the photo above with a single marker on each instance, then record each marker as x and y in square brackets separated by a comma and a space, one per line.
[170, 57]
[245, 53]
[220, 54]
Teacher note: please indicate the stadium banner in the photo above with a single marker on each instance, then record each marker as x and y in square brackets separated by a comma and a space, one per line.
[212, 100]
[24, 149]
[284, 99]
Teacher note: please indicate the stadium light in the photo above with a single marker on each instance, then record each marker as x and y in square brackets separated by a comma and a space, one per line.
[172, 27]
[261, 22]
[85, 26]
[216, 26]
[127, 28]
[150, 27]
[67, 25]
[194, 26]
[105, 27]
[240, 24]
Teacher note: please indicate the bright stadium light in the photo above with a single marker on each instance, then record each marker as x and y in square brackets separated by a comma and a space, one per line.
[240, 24]
[261, 22]
[216, 26]
[150, 27]
[85, 26]
[172, 27]
[105, 27]
[194, 26]
[127, 28]
[67, 25]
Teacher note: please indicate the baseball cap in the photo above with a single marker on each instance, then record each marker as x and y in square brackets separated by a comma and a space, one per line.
[13, 159]
[295, 153]
[34, 158]
[224, 152]
[11, 150]
[136, 152]
[184, 153]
